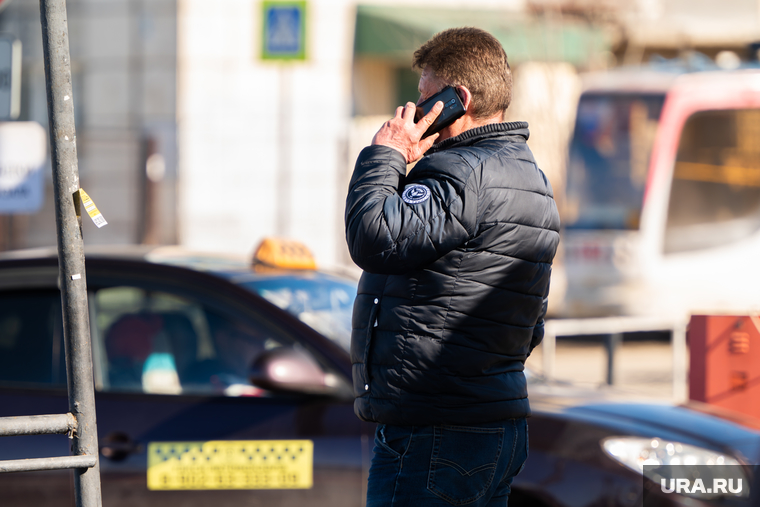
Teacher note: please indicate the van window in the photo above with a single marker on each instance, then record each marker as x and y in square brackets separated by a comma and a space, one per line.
[715, 193]
[609, 159]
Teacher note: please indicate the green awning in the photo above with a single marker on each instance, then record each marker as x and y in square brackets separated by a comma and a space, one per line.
[394, 32]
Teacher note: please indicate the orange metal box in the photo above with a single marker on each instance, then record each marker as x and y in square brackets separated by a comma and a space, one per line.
[725, 361]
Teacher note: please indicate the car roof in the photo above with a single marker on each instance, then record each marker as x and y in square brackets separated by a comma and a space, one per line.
[173, 255]
[237, 268]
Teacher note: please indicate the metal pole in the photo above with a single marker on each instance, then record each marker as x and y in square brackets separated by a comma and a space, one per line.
[37, 425]
[35, 464]
[680, 360]
[285, 141]
[612, 343]
[549, 351]
[76, 327]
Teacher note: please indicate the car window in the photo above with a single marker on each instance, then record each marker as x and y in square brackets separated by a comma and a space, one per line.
[156, 342]
[322, 302]
[715, 194]
[31, 339]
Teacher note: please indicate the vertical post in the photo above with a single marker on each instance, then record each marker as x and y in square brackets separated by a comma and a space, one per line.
[55, 43]
[680, 358]
[285, 142]
[612, 342]
[152, 174]
[548, 351]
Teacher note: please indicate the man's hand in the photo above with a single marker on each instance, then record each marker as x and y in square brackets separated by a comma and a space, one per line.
[402, 134]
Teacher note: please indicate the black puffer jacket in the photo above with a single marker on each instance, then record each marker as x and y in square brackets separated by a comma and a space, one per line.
[457, 259]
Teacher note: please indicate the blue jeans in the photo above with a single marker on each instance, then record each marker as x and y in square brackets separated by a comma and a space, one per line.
[426, 466]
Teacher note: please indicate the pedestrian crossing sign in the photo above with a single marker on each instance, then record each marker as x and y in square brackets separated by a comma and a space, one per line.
[284, 30]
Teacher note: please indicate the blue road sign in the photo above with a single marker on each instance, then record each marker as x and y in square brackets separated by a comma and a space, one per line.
[284, 31]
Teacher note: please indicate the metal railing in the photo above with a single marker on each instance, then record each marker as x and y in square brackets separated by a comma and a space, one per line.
[79, 423]
[613, 328]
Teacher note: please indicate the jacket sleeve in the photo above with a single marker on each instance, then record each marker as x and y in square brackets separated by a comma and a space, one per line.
[395, 223]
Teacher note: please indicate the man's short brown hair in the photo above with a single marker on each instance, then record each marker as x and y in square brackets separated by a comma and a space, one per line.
[473, 58]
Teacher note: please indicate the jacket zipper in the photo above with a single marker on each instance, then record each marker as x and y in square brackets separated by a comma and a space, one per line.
[371, 325]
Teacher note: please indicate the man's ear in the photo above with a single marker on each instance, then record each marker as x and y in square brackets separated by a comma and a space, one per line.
[465, 95]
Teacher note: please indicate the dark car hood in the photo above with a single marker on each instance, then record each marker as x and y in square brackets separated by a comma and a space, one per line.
[619, 413]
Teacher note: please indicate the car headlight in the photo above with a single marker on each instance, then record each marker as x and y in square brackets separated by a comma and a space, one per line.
[670, 461]
[635, 452]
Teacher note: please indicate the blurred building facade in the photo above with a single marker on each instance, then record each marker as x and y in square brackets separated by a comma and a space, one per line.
[186, 136]
[124, 77]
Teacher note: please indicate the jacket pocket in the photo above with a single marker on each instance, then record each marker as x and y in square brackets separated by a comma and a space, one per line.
[464, 462]
[361, 370]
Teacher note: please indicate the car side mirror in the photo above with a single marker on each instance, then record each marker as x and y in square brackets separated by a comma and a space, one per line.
[289, 369]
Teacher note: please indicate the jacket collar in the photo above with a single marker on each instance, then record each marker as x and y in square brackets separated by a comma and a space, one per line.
[469, 137]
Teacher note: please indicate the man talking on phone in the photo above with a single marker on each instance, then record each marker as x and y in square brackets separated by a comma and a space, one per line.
[457, 258]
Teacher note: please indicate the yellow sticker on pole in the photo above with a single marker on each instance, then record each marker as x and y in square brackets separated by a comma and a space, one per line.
[231, 464]
[91, 209]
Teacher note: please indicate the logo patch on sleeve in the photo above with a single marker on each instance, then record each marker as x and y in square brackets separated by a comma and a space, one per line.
[415, 194]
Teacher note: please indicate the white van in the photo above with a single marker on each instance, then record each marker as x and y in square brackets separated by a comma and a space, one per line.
[662, 207]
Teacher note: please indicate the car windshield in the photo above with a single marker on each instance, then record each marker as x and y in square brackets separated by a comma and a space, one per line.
[609, 158]
[323, 302]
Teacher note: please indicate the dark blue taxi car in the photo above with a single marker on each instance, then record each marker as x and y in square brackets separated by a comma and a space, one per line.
[221, 385]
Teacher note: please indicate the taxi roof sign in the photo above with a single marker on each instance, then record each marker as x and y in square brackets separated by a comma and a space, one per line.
[284, 30]
[283, 254]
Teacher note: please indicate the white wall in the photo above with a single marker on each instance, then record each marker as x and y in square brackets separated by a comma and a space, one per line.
[233, 112]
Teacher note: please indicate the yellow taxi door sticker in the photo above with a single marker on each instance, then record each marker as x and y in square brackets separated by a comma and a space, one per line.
[230, 464]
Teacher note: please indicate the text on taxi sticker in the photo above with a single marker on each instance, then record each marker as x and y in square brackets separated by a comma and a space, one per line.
[231, 464]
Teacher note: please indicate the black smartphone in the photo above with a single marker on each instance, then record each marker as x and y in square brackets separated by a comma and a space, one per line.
[453, 109]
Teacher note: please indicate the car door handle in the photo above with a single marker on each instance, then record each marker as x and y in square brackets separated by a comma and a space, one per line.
[118, 446]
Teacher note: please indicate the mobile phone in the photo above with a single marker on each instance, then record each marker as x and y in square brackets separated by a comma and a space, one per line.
[453, 109]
